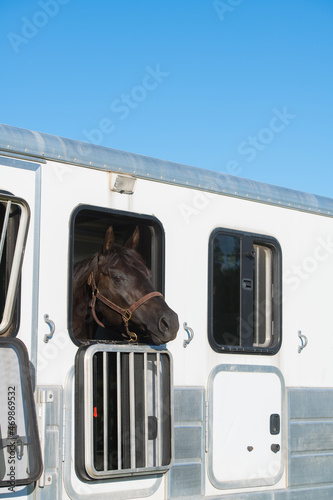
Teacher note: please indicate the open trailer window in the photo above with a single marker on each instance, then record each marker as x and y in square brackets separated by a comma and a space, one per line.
[244, 292]
[14, 220]
[123, 410]
[91, 228]
[20, 454]
[123, 386]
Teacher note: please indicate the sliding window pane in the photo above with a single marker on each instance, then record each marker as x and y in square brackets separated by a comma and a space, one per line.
[226, 290]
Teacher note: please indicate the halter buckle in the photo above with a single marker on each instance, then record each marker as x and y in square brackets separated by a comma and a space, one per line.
[126, 316]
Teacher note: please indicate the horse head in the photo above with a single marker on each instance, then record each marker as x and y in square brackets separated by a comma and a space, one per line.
[123, 297]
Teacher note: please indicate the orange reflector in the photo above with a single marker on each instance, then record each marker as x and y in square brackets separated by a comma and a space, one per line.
[95, 411]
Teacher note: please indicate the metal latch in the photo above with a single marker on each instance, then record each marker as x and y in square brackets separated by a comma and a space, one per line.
[247, 284]
[274, 425]
[15, 442]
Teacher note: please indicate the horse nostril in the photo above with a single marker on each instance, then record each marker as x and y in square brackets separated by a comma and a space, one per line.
[163, 325]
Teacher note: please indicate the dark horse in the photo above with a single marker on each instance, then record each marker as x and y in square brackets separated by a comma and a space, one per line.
[113, 290]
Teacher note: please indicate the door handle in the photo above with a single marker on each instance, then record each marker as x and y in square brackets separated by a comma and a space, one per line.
[274, 424]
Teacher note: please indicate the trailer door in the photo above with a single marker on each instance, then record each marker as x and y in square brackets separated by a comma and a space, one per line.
[245, 426]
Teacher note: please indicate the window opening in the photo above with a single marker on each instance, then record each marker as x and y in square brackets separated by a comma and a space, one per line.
[245, 290]
[14, 220]
[123, 411]
[117, 278]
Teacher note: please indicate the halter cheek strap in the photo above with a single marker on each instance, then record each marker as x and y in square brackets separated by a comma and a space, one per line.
[126, 314]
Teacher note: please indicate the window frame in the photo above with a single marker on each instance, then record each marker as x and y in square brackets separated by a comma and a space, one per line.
[251, 239]
[9, 327]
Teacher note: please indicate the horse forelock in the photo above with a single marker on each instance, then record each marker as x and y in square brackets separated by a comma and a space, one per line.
[126, 257]
[119, 256]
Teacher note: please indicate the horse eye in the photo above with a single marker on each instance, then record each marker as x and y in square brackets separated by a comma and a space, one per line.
[117, 278]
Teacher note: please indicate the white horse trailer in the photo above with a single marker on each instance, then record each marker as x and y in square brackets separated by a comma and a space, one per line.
[238, 406]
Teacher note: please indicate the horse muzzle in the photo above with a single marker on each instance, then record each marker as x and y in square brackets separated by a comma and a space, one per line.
[167, 328]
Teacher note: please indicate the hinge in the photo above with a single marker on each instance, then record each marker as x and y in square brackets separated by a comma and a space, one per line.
[206, 427]
[44, 397]
[63, 432]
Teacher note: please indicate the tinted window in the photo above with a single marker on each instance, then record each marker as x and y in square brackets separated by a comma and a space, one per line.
[244, 292]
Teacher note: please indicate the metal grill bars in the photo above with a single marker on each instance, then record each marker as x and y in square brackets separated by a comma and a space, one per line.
[128, 410]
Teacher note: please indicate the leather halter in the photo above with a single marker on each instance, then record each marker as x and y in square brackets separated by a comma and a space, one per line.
[126, 314]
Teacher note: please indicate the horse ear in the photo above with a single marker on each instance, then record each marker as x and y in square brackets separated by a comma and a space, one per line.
[133, 241]
[108, 241]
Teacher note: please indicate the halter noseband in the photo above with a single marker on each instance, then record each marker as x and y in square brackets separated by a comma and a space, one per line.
[126, 314]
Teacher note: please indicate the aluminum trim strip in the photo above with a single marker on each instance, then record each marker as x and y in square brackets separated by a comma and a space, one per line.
[49, 147]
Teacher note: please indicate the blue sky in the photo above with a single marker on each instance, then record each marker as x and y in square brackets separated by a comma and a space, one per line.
[237, 86]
